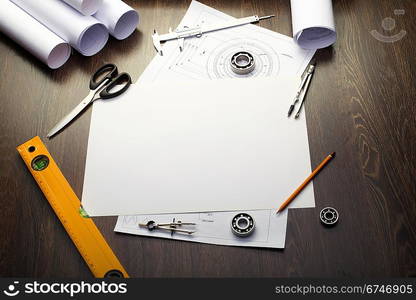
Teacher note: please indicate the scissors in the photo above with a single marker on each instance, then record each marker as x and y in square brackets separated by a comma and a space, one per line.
[102, 83]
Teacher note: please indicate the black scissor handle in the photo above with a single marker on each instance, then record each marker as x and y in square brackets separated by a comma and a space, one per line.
[108, 71]
[120, 80]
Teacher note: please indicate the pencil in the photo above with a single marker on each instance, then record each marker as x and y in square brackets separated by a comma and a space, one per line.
[307, 180]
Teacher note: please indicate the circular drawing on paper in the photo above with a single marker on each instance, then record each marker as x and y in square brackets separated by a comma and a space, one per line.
[266, 59]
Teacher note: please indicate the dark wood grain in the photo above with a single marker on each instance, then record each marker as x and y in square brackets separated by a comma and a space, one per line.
[361, 105]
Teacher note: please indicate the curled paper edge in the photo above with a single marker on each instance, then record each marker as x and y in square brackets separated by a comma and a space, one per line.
[313, 23]
[93, 39]
[86, 7]
[34, 37]
[307, 40]
[126, 25]
[120, 19]
[59, 55]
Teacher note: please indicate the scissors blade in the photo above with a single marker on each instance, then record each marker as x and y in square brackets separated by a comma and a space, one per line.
[75, 112]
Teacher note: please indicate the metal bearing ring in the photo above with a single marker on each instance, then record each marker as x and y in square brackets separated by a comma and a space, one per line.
[329, 216]
[242, 62]
[242, 225]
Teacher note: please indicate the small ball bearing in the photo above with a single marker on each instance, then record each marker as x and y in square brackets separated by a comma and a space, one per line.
[329, 216]
[242, 225]
[242, 62]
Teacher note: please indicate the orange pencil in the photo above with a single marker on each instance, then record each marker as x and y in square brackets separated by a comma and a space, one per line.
[307, 180]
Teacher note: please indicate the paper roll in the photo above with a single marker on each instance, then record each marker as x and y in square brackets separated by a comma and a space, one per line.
[86, 7]
[85, 33]
[313, 23]
[33, 36]
[119, 18]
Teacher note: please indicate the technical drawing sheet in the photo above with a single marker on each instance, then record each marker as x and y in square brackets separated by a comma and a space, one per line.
[208, 56]
[214, 228]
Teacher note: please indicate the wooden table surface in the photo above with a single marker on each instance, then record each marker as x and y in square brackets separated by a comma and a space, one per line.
[361, 104]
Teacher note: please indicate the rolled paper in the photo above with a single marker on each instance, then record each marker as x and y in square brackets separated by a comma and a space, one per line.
[33, 36]
[86, 7]
[313, 23]
[119, 18]
[85, 33]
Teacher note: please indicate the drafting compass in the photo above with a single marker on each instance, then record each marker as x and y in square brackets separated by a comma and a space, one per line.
[303, 89]
[172, 227]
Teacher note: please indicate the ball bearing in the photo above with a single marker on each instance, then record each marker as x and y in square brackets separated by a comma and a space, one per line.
[242, 225]
[329, 216]
[242, 62]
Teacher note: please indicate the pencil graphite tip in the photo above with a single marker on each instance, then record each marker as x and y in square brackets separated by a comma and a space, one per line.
[291, 108]
[333, 154]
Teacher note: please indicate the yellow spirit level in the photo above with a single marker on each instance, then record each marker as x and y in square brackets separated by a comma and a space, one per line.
[87, 238]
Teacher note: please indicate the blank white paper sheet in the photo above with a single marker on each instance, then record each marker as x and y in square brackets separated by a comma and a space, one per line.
[196, 146]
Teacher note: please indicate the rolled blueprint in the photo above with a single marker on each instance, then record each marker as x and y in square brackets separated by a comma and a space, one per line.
[86, 7]
[119, 18]
[33, 36]
[85, 33]
[313, 23]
